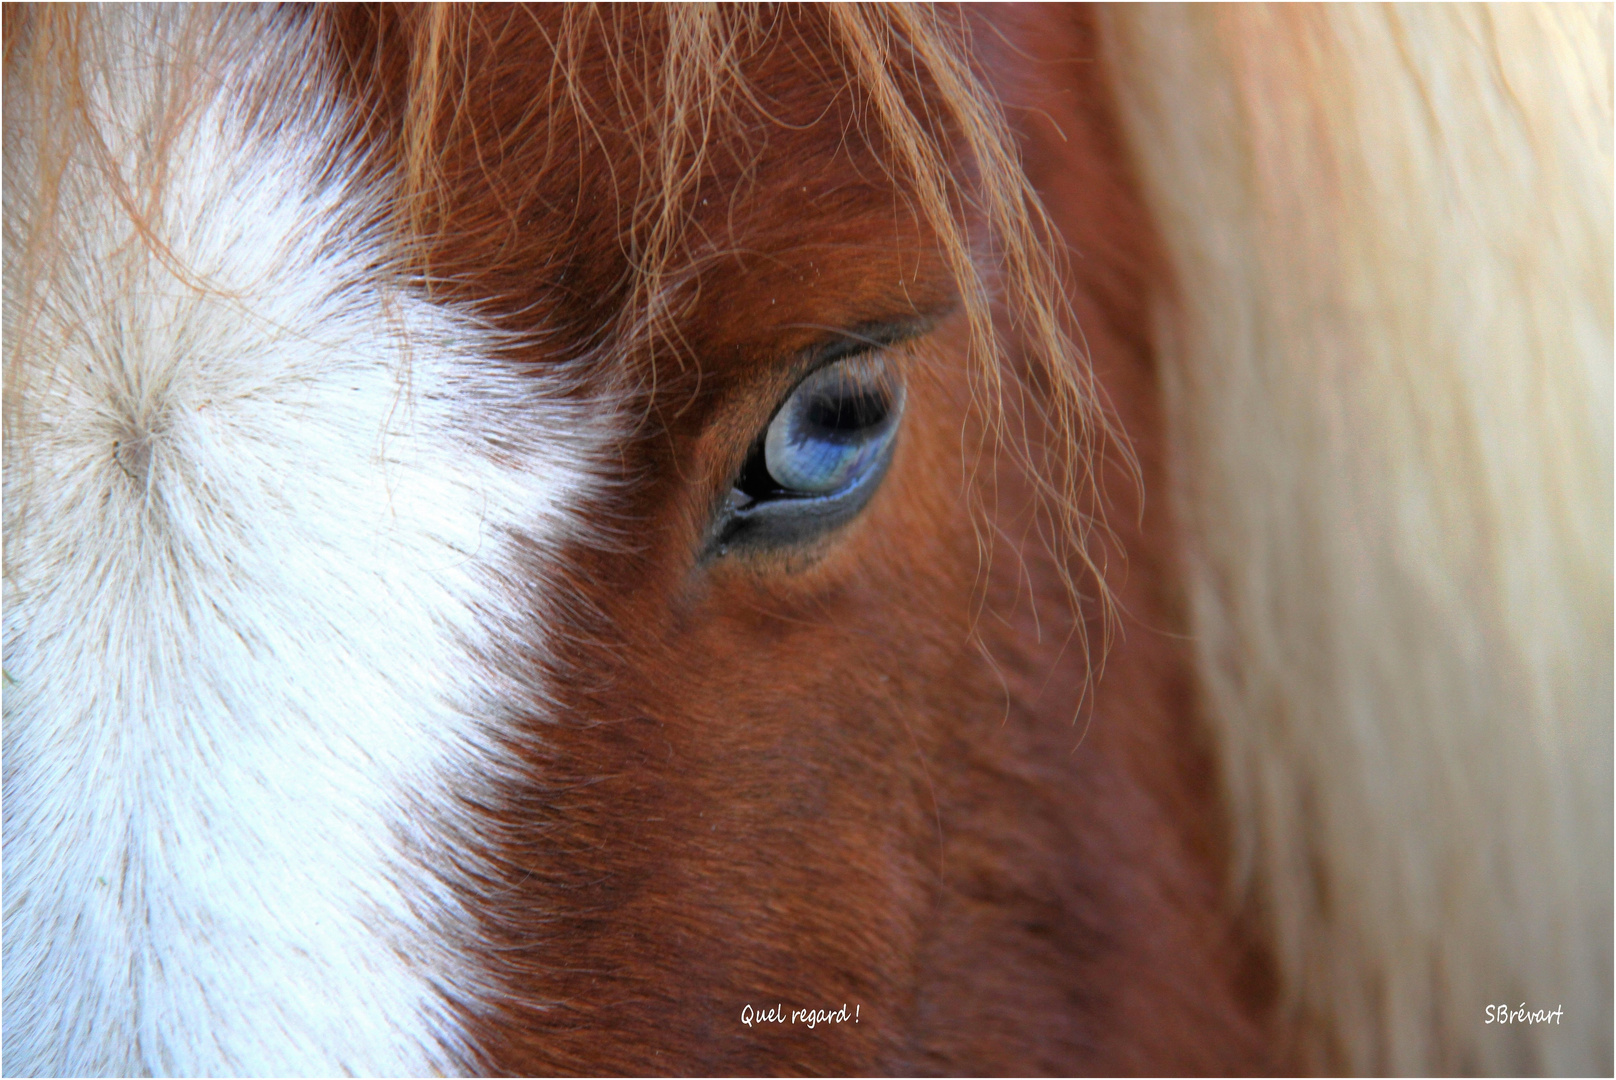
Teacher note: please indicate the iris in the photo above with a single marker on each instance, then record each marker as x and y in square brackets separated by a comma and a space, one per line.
[834, 428]
[818, 463]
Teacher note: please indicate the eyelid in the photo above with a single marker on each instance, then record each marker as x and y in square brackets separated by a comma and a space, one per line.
[863, 353]
[889, 334]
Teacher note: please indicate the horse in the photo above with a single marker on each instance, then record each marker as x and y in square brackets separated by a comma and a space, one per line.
[801, 540]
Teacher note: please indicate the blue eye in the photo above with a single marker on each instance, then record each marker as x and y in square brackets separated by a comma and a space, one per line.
[819, 461]
[833, 428]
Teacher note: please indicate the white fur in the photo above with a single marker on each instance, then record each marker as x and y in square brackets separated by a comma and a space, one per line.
[244, 648]
[1389, 369]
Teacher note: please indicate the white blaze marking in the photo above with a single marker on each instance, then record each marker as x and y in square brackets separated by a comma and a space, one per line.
[251, 540]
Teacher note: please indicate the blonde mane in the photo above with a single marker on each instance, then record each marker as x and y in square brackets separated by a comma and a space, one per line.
[1388, 364]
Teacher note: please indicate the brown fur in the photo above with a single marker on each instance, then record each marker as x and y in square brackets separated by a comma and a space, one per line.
[857, 779]
[882, 772]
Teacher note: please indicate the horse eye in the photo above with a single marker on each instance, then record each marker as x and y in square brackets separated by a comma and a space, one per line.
[831, 430]
[820, 459]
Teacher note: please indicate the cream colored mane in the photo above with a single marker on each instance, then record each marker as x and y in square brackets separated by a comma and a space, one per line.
[1389, 372]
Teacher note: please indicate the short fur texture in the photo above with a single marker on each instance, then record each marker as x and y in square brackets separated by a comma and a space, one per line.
[252, 544]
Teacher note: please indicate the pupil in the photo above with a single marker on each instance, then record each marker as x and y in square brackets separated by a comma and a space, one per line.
[849, 411]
